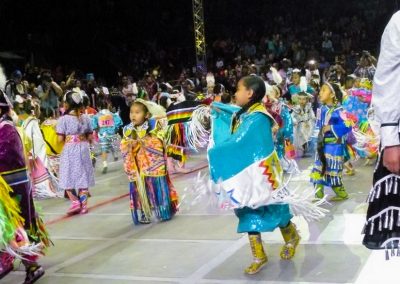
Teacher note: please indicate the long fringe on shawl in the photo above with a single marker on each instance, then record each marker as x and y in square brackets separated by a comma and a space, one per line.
[387, 218]
[11, 224]
[193, 134]
[48, 189]
[204, 191]
[333, 173]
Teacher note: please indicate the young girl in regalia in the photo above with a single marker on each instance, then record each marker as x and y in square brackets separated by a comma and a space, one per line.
[283, 131]
[76, 170]
[245, 169]
[144, 153]
[303, 121]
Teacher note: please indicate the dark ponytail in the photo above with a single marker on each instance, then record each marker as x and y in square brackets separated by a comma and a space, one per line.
[320, 150]
[256, 84]
[338, 92]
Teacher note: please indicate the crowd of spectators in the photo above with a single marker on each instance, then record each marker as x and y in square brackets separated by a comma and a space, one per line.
[302, 40]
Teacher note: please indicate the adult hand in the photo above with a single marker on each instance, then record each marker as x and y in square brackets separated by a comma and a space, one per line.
[391, 159]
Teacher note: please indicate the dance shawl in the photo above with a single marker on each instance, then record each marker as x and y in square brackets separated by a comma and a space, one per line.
[243, 162]
[244, 166]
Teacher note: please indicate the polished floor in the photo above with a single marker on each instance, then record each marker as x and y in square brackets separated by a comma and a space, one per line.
[200, 245]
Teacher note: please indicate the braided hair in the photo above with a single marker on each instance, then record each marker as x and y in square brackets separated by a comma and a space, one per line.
[256, 84]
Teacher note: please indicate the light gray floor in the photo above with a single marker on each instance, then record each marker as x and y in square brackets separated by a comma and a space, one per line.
[200, 245]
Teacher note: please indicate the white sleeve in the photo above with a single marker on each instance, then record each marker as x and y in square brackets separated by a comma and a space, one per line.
[386, 95]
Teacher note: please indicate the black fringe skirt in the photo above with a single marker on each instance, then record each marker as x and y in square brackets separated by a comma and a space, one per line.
[382, 226]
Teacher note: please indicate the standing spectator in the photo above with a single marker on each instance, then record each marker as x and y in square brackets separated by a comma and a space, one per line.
[259, 62]
[299, 53]
[220, 63]
[250, 50]
[127, 87]
[49, 93]
[14, 87]
[151, 86]
[327, 47]
[366, 68]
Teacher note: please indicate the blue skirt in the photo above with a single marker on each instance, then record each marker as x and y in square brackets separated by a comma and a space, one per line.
[332, 177]
[263, 219]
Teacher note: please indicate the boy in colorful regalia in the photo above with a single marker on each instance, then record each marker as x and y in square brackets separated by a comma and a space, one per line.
[333, 126]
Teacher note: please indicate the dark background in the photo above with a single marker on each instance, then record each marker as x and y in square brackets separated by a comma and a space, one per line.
[97, 35]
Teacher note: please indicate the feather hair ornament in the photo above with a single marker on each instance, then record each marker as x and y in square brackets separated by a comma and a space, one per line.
[135, 89]
[268, 89]
[276, 77]
[210, 80]
[303, 84]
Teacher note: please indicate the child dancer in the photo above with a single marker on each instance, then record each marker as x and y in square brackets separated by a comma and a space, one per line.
[244, 163]
[284, 129]
[145, 164]
[357, 102]
[295, 88]
[20, 225]
[44, 184]
[76, 170]
[351, 104]
[303, 121]
[333, 126]
[106, 124]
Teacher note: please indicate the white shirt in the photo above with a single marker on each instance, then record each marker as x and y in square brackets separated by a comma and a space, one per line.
[327, 44]
[32, 130]
[385, 93]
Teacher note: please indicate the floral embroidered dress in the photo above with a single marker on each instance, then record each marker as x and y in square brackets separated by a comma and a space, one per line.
[145, 164]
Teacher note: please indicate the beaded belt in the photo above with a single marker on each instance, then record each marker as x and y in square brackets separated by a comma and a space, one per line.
[333, 140]
[75, 138]
[15, 177]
